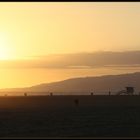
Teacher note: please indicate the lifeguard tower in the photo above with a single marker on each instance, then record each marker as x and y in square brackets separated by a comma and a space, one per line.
[128, 91]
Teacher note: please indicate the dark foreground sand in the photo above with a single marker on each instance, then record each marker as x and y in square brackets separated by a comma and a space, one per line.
[57, 116]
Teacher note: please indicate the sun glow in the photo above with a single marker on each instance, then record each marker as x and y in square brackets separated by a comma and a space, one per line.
[5, 52]
[4, 55]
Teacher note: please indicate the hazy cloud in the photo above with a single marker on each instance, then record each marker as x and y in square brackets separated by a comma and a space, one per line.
[79, 60]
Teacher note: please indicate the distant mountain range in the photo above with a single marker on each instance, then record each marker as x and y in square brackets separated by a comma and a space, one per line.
[87, 84]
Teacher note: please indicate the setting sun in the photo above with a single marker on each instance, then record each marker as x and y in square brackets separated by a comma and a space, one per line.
[5, 52]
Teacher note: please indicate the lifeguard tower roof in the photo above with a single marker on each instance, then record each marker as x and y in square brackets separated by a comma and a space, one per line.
[130, 89]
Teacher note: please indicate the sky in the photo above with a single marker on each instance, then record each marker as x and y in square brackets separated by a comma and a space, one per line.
[40, 28]
[33, 30]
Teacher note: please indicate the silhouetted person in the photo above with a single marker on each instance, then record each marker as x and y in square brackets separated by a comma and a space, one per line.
[51, 94]
[25, 94]
[76, 101]
[5, 95]
[109, 93]
[91, 93]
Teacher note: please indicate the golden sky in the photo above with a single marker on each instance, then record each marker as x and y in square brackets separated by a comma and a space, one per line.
[29, 29]
[40, 28]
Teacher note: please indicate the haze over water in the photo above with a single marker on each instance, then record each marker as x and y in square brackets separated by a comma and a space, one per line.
[30, 77]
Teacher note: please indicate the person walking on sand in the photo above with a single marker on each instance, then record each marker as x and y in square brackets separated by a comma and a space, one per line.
[25, 94]
[76, 102]
[51, 94]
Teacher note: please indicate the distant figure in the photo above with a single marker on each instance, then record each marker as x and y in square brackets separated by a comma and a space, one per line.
[91, 93]
[109, 93]
[51, 94]
[76, 102]
[5, 95]
[25, 94]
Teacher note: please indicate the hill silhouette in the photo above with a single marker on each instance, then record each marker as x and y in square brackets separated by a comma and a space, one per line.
[87, 84]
